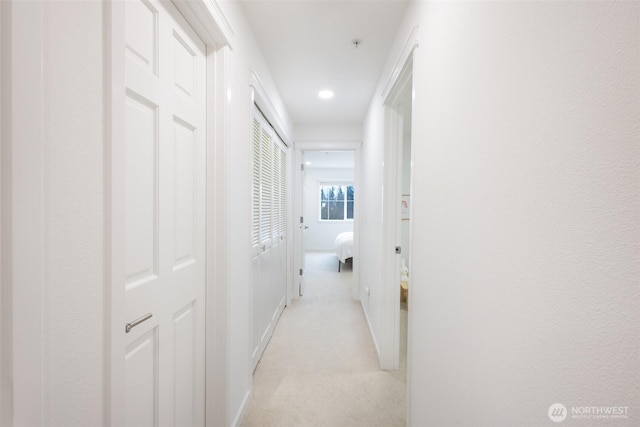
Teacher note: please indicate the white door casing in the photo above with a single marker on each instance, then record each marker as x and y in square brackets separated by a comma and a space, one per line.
[299, 174]
[303, 222]
[4, 331]
[398, 86]
[164, 208]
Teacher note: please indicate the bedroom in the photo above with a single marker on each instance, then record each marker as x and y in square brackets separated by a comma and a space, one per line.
[329, 204]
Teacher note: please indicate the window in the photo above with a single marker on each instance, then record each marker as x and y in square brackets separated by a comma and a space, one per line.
[336, 202]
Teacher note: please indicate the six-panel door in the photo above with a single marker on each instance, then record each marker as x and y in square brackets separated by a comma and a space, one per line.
[164, 218]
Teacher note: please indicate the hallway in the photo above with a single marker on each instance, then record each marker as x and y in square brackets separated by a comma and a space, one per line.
[151, 230]
[320, 367]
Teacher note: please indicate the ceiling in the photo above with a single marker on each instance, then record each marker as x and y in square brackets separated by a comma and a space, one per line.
[308, 47]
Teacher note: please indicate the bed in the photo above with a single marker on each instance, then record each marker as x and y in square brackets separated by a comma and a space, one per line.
[344, 248]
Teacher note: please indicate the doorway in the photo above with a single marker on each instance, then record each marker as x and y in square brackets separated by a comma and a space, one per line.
[328, 208]
[328, 199]
[397, 223]
[404, 222]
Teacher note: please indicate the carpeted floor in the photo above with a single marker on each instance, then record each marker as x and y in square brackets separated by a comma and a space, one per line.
[320, 367]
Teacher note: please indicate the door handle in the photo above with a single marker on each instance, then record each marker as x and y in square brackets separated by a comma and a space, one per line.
[129, 326]
[306, 227]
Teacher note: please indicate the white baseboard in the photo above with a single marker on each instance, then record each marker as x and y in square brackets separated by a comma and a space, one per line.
[373, 336]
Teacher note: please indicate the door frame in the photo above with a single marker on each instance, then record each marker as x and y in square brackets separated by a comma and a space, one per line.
[401, 79]
[297, 289]
[4, 369]
[209, 22]
[300, 147]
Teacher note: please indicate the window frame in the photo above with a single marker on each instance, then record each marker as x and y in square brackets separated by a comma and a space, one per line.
[345, 185]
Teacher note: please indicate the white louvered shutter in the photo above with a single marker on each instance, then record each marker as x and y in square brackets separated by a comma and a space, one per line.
[276, 188]
[268, 225]
[266, 188]
[255, 208]
[282, 199]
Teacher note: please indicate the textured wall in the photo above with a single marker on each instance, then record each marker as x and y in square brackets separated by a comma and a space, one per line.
[526, 211]
[371, 217]
[74, 220]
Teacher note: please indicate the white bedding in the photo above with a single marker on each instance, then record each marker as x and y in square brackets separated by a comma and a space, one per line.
[344, 245]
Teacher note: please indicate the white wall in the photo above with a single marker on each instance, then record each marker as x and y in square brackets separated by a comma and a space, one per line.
[321, 234]
[56, 207]
[74, 215]
[370, 217]
[328, 133]
[242, 60]
[526, 201]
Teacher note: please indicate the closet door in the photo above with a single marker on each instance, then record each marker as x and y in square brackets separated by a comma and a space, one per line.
[268, 232]
[164, 169]
[280, 235]
[264, 284]
[262, 233]
[256, 246]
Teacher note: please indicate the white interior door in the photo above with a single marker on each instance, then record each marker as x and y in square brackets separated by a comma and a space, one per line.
[279, 231]
[262, 233]
[268, 231]
[164, 217]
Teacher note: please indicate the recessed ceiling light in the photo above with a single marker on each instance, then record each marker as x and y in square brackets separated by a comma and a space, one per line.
[325, 94]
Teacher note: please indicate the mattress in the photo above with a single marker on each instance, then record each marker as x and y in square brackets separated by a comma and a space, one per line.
[344, 245]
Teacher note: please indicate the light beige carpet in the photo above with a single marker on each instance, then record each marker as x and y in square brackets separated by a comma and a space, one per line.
[320, 367]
